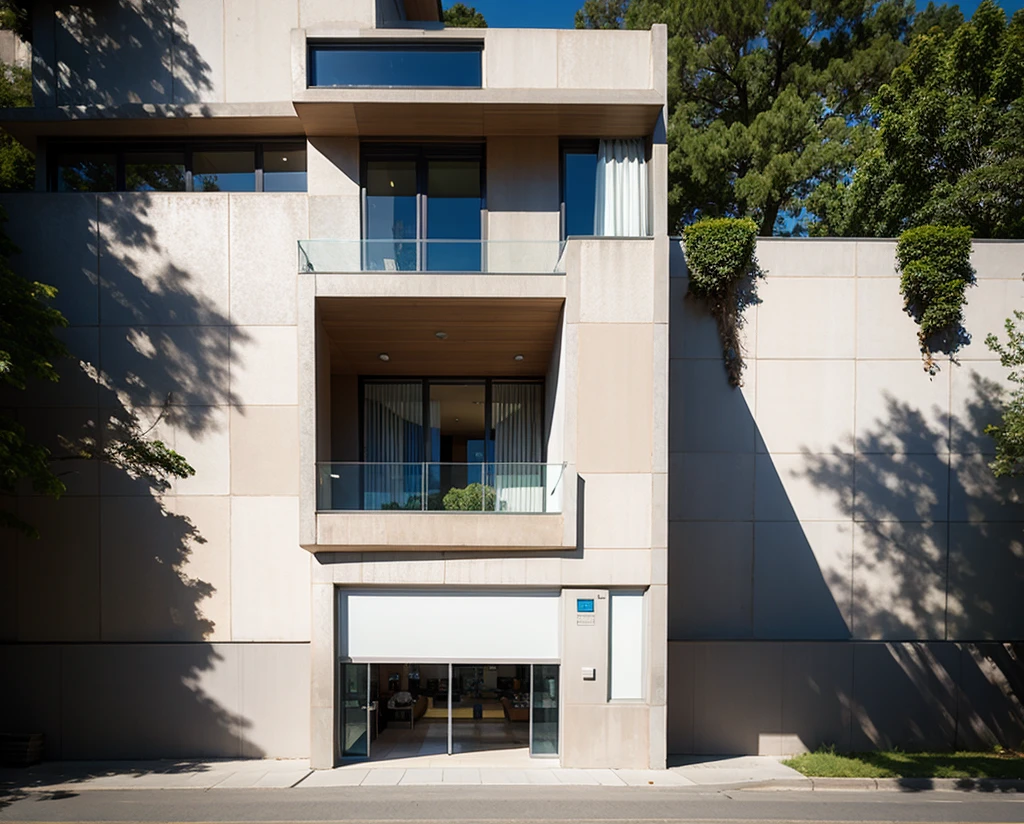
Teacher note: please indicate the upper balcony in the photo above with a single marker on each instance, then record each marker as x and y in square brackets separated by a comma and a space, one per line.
[472, 82]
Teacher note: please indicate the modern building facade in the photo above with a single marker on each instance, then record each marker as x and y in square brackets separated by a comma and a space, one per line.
[468, 471]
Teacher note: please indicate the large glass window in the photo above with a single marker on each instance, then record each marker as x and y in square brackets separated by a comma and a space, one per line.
[271, 166]
[544, 712]
[284, 167]
[579, 188]
[422, 208]
[154, 171]
[224, 171]
[396, 64]
[85, 172]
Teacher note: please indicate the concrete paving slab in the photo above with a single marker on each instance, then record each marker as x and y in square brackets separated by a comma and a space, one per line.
[545, 777]
[282, 779]
[339, 777]
[607, 778]
[383, 778]
[499, 777]
[422, 776]
[657, 778]
[576, 777]
[737, 770]
[241, 780]
[461, 775]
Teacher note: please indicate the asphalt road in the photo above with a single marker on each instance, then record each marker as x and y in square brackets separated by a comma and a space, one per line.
[491, 805]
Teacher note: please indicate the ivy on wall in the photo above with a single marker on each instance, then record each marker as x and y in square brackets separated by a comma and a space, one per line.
[1008, 434]
[720, 256]
[935, 270]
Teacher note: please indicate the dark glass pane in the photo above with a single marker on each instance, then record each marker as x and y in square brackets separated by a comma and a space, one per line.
[354, 731]
[232, 171]
[453, 213]
[154, 171]
[394, 65]
[284, 168]
[545, 710]
[579, 187]
[86, 172]
[390, 215]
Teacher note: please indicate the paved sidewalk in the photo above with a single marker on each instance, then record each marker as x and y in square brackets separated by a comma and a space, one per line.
[216, 774]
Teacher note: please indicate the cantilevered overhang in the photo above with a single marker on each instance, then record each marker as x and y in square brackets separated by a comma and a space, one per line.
[27, 125]
[478, 112]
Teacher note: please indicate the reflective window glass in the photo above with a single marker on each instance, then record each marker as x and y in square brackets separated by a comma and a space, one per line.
[453, 215]
[284, 167]
[154, 171]
[391, 215]
[86, 172]
[395, 64]
[579, 189]
[224, 171]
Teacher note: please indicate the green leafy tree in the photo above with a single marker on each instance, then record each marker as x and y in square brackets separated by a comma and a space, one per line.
[602, 14]
[1009, 433]
[17, 164]
[767, 100]
[950, 143]
[462, 16]
[30, 351]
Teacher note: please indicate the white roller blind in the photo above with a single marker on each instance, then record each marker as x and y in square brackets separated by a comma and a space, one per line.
[422, 627]
[627, 645]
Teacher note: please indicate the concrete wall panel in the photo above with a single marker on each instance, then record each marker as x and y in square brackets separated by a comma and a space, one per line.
[583, 63]
[275, 700]
[197, 52]
[258, 52]
[790, 323]
[817, 685]
[264, 229]
[705, 413]
[521, 59]
[805, 405]
[71, 265]
[269, 571]
[615, 396]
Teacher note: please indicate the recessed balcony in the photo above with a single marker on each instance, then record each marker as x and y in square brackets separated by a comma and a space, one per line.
[505, 488]
[502, 257]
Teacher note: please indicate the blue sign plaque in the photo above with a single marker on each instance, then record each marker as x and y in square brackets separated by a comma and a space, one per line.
[584, 604]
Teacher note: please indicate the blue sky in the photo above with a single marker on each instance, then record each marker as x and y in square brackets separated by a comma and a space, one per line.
[558, 14]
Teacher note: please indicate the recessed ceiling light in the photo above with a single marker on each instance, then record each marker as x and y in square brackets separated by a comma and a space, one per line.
[518, 357]
[440, 335]
[384, 356]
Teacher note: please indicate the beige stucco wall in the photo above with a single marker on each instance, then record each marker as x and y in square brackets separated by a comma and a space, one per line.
[841, 497]
[191, 300]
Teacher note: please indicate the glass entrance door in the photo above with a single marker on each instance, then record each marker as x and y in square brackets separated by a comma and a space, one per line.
[354, 711]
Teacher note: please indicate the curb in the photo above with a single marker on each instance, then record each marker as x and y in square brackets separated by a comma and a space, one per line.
[979, 785]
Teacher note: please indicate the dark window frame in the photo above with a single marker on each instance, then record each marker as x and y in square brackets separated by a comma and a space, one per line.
[570, 146]
[188, 148]
[421, 153]
[367, 44]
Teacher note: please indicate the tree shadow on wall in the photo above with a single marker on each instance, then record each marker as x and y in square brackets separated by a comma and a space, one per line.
[939, 555]
[126, 51]
[117, 606]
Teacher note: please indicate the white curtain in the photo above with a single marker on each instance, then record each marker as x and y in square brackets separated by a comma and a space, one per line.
[392, 445]
[620, 202]
[518, 417]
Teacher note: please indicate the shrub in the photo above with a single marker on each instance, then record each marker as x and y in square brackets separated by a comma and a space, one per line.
[474, 498]
[1009, 432]
[935, 271]
[720, 255]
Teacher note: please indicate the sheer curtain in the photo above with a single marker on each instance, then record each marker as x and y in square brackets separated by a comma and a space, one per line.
[392, 445]
[620, 201]
[517, 414]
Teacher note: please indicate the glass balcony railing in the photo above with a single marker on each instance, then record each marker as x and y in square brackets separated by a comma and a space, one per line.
[504, 257]
[440, 487]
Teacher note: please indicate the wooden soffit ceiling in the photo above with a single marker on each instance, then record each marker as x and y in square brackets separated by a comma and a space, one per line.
[483, 335]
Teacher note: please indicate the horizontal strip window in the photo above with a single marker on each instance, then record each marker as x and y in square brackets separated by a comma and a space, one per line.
[267, 166]
[396, 65]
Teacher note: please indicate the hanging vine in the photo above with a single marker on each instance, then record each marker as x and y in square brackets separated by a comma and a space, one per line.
[720, 256]
[935, 271]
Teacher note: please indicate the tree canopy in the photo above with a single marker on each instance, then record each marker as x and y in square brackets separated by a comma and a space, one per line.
[602, 14]
[950, 145]
[464, 17]
[30, 352]
[768, 100]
